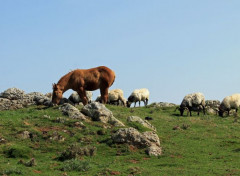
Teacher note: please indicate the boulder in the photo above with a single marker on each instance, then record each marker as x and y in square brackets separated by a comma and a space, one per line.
[98, 112]
[72, 112]
[144, 123]
[131, 136]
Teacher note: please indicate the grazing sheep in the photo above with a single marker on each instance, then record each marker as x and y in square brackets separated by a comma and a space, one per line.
[228, 103]
[115, 96]
[74, 97]
[193, 102]
[138, 95]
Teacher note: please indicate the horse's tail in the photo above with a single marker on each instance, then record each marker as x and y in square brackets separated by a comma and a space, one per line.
[113, 78]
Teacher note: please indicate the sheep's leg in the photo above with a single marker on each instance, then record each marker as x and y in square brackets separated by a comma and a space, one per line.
[146, 102]
[204, 110]
[190, 110]
[139, 103]
[134, 104]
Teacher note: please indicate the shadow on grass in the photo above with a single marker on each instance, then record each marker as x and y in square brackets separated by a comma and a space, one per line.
[236, 150]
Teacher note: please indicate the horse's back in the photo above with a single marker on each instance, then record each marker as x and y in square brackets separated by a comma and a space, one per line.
[94, 78]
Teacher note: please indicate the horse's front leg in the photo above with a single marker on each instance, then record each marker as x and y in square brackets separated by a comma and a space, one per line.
[82, 93]
[104, 95]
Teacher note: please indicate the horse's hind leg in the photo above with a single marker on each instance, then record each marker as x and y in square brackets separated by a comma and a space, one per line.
[83, 96]
[104, 95]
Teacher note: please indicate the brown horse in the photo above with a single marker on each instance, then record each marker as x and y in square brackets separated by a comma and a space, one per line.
[81, 80]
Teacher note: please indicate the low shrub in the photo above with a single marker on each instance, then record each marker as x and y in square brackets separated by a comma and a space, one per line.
[75, 165]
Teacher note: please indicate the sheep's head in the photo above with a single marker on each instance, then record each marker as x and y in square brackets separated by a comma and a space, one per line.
[128, 104]
[220, 112]
[181, 109]
[129, 101]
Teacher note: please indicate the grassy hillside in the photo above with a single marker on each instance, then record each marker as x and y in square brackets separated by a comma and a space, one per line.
[204, 145]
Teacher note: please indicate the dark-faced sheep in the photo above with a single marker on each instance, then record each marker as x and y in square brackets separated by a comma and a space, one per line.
[138, 95]
[193, 102]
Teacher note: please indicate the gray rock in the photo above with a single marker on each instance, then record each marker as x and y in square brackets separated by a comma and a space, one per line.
[144, 123]
[25, 135]
[212, 103]
[98, 112]
[6, 104]
[131, 136]
[41, 100]
[72, 112]
[12, 94]
[163, 104]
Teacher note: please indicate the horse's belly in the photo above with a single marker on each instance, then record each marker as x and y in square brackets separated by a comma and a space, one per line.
[91, 87]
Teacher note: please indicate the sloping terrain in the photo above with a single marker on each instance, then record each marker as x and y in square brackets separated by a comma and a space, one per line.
[42, 141]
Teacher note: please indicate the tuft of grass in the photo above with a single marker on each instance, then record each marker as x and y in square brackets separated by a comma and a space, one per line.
[138, 126]
[75, 165]
[11, 171]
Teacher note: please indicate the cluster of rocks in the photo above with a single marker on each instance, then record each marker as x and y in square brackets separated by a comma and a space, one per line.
[14, 98]
[212, 106]
[212, 103]
[162, 104]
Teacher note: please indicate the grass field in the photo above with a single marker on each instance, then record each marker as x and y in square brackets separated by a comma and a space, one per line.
[197, 145]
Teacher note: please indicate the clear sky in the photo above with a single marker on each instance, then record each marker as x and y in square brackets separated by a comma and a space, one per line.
[171, 47]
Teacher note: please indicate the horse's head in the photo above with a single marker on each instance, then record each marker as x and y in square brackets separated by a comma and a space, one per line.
[57, 94]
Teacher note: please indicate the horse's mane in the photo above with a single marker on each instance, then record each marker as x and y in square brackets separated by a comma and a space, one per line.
[66, 75]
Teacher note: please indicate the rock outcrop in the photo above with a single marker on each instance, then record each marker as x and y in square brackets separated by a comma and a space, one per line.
[98, 112]
[72, 111]
[131, 136]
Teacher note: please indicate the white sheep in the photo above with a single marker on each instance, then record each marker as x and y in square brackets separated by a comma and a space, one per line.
[115, 96]
[75, 98]
[138, 95]
[228, 103]
[193, 102]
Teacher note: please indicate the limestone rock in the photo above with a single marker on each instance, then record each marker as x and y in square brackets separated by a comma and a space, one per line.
[131, 136]
[12, 94]
[98, 112]
[72, 112]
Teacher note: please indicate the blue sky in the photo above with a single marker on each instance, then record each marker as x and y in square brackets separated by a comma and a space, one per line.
[171, 47]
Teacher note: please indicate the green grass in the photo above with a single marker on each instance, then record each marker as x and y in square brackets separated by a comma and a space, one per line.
[200, 145]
